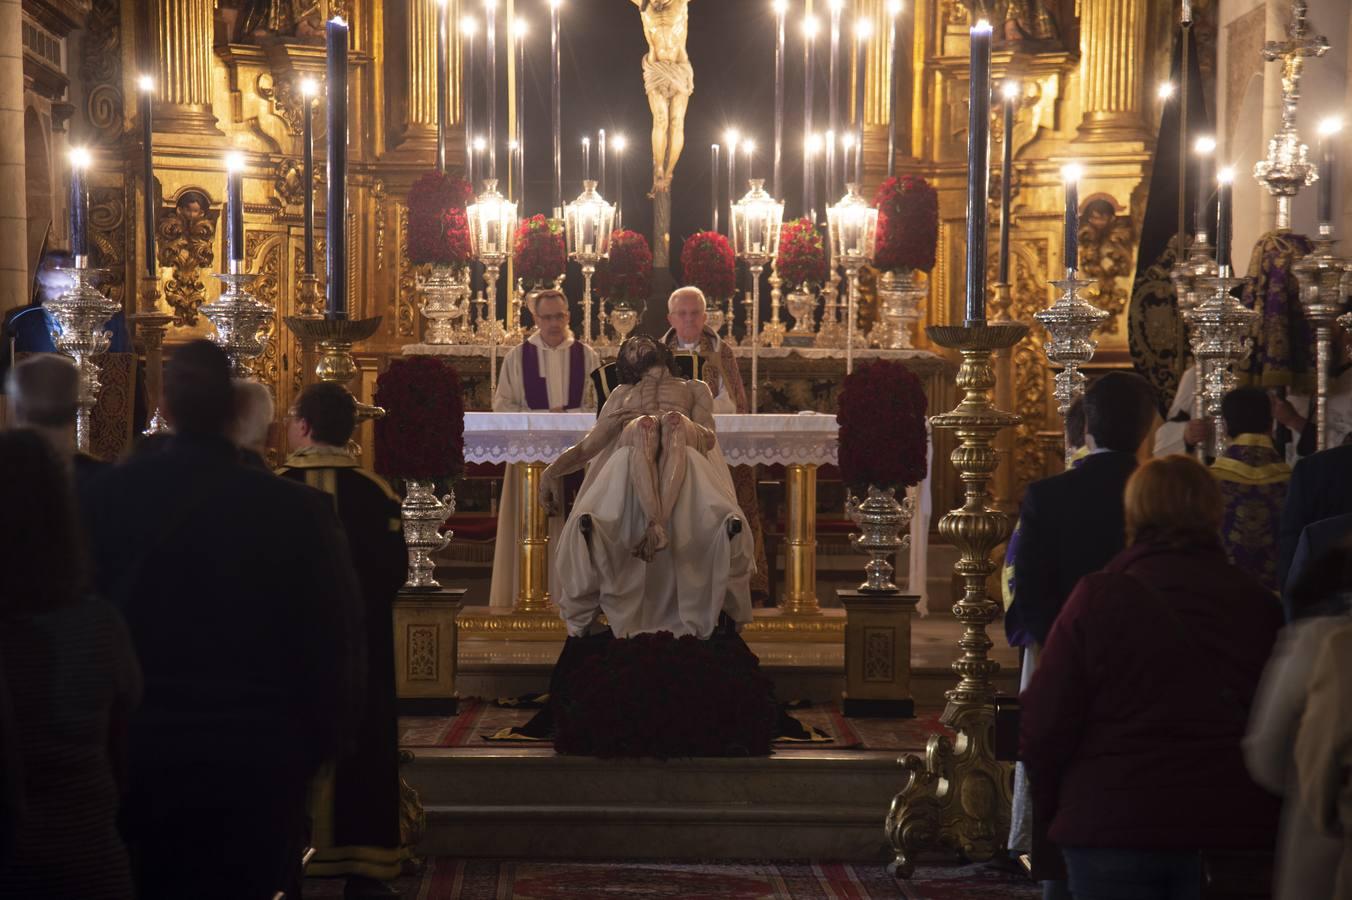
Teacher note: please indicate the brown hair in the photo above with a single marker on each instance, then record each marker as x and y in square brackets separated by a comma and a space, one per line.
[1173, 500]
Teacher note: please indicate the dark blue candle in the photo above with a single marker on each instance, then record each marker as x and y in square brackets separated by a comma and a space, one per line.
[335, 306]
[1223, 181]
[147, 86]
[308, 90]
[234, 207]
[79, 203]
[1071, 175]
[978, 169]
[1328, 132]
[442, 88]
[1010, 93]
[810, 28]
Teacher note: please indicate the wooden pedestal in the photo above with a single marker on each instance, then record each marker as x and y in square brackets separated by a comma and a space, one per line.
[878, 654]
[424, 651]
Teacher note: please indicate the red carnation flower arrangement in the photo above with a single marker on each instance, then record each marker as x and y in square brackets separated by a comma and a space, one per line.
[422, 435]
[802, 255]
[908, 224]
[881, 413]
[538, 254]
[627, 277]
[438, 227]
[707, 263]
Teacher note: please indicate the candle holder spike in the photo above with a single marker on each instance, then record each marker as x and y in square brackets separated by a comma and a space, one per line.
[957, 796]
[80, 314]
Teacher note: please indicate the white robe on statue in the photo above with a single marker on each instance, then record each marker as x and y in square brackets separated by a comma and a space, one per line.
[511, 397]
[701, 573]
[1169, 436]
[1339, 410]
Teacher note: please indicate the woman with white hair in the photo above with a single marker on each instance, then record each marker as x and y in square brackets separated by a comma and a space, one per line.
[254, 412]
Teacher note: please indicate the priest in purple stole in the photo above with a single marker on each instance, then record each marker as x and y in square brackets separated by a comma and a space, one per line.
[549, 372]
[1253, 480]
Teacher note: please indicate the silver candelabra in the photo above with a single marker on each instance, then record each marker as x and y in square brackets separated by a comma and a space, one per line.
[1221, 328]
[1070, 322]
[81, 314]
[239, 318]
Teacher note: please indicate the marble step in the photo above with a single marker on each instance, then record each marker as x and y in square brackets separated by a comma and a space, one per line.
[797, 804]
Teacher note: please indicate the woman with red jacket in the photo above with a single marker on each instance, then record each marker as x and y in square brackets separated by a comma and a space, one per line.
[1132, 724]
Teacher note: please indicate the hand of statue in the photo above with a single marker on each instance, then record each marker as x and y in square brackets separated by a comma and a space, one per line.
[1286, 414]
[557, 409]
[1196, 432]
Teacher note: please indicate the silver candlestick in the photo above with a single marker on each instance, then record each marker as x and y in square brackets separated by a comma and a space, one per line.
[80, 314]
[239, 318]
[445, 297]
[1070, 322]
[1320, 276]
[1221, 327]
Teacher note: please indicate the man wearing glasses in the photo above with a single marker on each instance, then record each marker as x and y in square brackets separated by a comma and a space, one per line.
[549, 372]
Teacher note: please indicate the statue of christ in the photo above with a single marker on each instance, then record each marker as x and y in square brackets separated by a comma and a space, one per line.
[668, 80]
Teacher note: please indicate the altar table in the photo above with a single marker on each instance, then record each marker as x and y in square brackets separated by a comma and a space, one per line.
[531, 440]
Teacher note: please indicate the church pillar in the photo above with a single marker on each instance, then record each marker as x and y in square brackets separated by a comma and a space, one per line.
[421, 126]
[13, 188]
[183, 50]
[1112, 58]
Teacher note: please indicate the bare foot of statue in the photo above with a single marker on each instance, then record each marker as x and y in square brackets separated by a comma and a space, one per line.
[660, 183]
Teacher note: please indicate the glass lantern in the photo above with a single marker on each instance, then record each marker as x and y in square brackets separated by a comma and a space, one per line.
[492, 224]
[756, 220]
[588, 222]
[853, 227]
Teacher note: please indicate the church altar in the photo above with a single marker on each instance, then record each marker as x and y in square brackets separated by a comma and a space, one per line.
[800, 442]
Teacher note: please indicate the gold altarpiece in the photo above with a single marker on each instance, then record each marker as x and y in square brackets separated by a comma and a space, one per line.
[1084, 73]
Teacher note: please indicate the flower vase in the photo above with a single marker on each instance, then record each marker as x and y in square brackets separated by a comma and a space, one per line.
[880, 518]
[899, 297]
[423, 516]
[715, 316]
[444, 291]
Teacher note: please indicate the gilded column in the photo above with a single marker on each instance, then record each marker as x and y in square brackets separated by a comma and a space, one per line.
[183, 50]
[1112, 54]
[422, 70]
[13, 202]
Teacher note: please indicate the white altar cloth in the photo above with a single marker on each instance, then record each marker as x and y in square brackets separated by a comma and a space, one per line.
[746, 440]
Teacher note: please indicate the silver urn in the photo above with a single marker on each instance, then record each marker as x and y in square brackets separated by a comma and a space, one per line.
[880, 519]
[802, 304]
[445, 299]
[899, 299]
[423, 516]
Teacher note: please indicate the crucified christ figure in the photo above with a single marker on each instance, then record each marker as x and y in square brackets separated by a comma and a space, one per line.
[668, 79]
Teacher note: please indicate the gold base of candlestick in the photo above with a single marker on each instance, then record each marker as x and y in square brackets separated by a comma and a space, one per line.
[333, 340]
[151, 325]
[957, 796]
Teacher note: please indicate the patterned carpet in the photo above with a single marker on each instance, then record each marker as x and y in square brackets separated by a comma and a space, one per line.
[478, 718]
[450, 879]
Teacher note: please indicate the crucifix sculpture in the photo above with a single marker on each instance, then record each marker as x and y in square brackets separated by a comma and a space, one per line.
[1287, 167]
[668, 80]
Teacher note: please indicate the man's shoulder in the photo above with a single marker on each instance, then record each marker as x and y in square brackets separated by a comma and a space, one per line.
[1325, 462]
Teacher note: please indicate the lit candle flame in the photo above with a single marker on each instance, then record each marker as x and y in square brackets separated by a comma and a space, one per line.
[1010, 90]
[863, 30]
[519, 28]
[146, 83]
[982, 26]
[234, 161]
[79, 157]
[781, 7]
[469, 26]
[309, 87]
[1072, 172]
[811, 27]
[1205, 145]
[618, 143]
[1331, 125]
[894, 8]
[339, 21]
[1226, 175]
[1165, 91]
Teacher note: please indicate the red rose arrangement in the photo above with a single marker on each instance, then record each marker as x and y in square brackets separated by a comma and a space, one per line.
[438, 228]
[707, 263]
[802, 255]
[627, 277]
[881, 413]
[655, 695]
[422, 435]
[908, 224]
[539, 255]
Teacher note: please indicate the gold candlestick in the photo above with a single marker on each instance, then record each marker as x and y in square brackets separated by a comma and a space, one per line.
[151, 324]
[957, 795]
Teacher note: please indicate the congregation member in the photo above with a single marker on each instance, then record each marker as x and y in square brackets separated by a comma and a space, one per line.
[1071, 523]
[243, 607]
[254, 412]
[1319, 489]
[688, 316]
[68, 682]
[1021, 818]
[1324, 750]
[1132, 724]
[1307, 860]
[354, 806]
[1184, 429]
[44, 395]
[1253, 479]
[548, 372]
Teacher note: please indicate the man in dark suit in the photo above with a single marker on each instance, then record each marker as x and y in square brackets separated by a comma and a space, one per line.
[1321, 487]
[243, 605]
[355, 807]
[1071, 524]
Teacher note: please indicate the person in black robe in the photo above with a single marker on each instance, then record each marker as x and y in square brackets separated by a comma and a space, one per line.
[355, 806]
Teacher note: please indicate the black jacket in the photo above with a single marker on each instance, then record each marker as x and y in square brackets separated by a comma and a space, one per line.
[1320, 487]
[1070, 525]
[241, 600]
